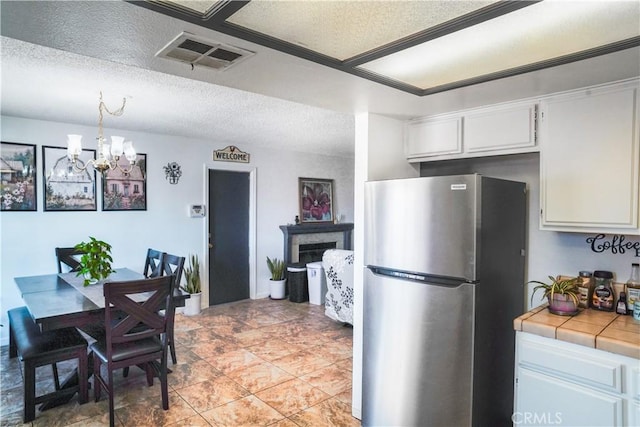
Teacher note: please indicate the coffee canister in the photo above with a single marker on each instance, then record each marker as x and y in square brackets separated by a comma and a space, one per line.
[603, 295]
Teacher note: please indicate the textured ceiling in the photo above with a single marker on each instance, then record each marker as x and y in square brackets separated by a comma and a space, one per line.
[56, 56]
[73, 83]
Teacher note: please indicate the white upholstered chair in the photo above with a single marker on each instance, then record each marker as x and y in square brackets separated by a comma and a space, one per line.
[338, 269]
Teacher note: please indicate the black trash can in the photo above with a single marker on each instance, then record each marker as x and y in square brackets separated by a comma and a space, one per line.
[297, 281]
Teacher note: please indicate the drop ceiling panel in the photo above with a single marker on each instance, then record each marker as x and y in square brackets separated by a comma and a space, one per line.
[537, 33]
[344, 29]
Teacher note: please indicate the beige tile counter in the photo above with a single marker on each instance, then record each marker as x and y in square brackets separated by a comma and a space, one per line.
[591, 328]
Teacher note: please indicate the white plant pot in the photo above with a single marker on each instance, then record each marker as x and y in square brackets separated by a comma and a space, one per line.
[192, 305]
[277, 289]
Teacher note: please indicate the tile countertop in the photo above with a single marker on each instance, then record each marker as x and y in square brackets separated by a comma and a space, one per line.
[591, 328]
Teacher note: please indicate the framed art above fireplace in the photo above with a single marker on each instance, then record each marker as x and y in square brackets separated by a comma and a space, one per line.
[316, 200]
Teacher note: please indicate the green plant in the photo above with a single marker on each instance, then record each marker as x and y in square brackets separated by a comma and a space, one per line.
[558, 286]
[95, 262]
[276, 268]
[192, 274]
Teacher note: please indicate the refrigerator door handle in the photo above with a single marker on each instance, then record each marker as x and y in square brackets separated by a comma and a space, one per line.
[417, 277]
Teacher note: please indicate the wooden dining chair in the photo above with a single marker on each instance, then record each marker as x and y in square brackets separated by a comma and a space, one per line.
[173, 265]
[137, 338]
[162, 264]
[68, 257]
[153, 263]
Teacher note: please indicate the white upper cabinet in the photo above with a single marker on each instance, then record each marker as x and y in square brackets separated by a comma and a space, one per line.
[590, 155]
[503, 128]
[434, 137]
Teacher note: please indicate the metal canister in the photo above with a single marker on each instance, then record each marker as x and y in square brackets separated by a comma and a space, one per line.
[585, 287]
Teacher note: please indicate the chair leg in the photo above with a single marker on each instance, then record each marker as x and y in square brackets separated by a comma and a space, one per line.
[112, 414]
[125, 371]
[163, 383]
[172, 347]
[56, 379]
[96, 378]
[29, 392]
[83, 377]
[149, 371]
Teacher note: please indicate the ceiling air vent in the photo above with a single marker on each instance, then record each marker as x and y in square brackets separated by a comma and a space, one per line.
[192, 49]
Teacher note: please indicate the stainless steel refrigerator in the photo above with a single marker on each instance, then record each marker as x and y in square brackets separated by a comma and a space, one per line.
[444, 280]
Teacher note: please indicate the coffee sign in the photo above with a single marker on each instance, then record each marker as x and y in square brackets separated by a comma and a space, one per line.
[231, 154]
[618, 244]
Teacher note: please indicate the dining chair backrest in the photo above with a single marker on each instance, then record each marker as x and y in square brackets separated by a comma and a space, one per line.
[68, 257]
[153, 263]
[173, 264]
[129, 320]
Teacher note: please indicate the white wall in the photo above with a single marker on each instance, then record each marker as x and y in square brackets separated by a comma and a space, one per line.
[28, 239]
[548, 252]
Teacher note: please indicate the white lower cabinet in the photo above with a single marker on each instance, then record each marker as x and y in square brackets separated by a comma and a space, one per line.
[564, 384]
[547, 400]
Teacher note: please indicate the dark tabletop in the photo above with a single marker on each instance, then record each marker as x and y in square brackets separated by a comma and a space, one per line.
[54, 302]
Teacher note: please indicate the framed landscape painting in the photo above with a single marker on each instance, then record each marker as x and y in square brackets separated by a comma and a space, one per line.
[18, 173]
[126, 191]
[316, 200]
[67, 188]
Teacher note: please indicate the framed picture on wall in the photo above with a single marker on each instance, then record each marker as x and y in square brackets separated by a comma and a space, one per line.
[126, 191]
[66, 186]
[18, 177]
[316, 200]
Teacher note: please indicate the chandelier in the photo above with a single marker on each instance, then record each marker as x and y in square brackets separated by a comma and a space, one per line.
[108, 154]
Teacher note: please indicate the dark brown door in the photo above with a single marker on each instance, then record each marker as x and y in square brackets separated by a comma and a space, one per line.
[229, 236]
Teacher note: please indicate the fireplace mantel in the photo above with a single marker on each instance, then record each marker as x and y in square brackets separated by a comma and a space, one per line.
[290, 231]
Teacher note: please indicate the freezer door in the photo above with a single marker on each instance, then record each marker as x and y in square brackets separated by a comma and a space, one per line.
[424, 225]
[418, 352]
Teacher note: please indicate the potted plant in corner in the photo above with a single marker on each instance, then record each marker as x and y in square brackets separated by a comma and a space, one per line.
[562, 294]
[193, 287]
[95, 262]
[277, 281]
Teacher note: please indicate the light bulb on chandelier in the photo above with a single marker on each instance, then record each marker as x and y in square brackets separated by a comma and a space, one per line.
[108, 154]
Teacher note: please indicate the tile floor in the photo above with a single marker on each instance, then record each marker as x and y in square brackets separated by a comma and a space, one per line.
[249, 363]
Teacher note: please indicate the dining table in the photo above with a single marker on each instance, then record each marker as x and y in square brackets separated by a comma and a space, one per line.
[61, 300]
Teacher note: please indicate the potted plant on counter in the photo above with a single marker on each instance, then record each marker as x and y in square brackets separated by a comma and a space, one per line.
[277, 281]
[193, 287]
[95, 262]
[562, 294]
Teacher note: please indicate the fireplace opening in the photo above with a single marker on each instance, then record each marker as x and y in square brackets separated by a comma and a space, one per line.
[312, 252]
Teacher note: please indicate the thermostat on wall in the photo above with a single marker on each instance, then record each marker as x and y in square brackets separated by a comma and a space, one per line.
[196, 211]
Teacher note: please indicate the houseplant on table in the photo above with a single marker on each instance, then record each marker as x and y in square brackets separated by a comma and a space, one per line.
[277, 281]
[193, 287]
[95, 262]
[562, 294]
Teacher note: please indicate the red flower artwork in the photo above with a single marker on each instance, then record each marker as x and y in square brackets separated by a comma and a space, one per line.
[316, 200]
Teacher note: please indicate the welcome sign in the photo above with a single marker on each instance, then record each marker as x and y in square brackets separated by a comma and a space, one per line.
[231, 153]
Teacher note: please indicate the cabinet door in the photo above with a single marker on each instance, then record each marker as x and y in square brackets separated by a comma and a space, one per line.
[433, 137]
[506, 128]
[545, 400]
[589, 161]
